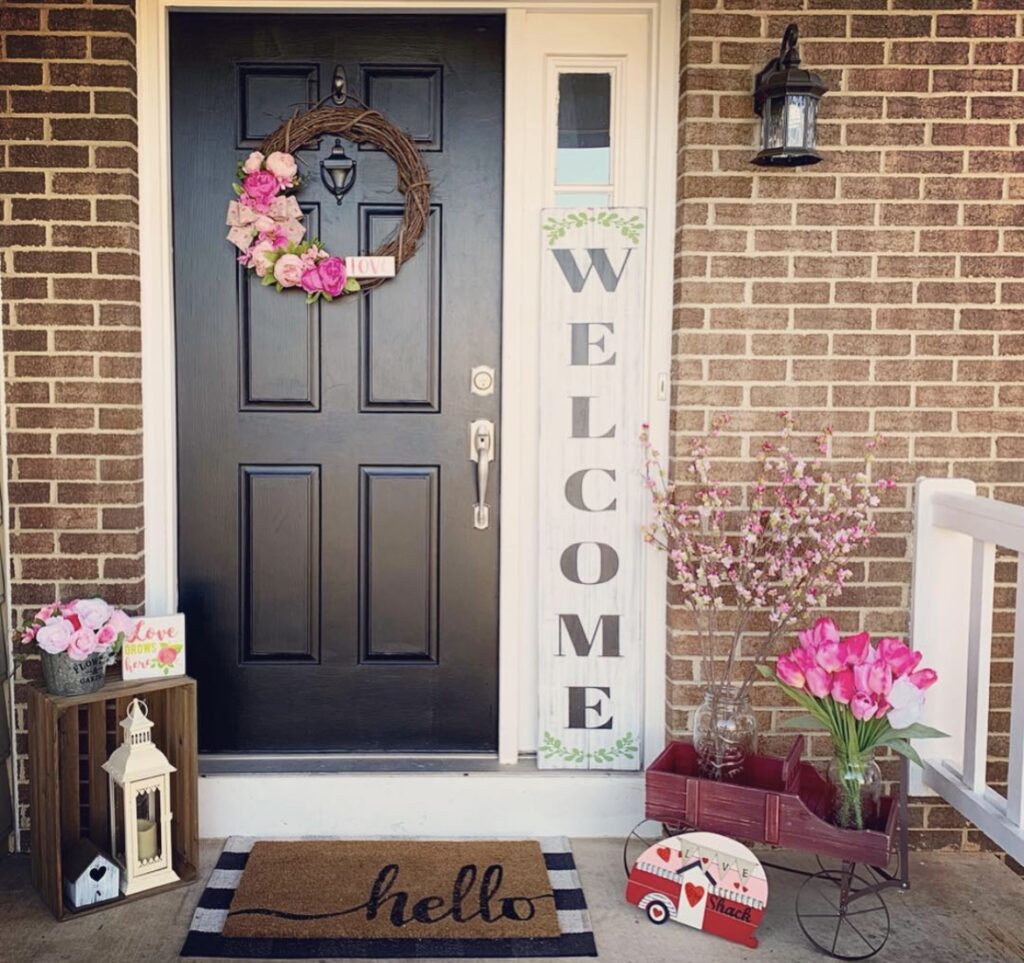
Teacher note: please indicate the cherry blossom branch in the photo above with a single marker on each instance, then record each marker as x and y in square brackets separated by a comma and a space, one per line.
[784, 555]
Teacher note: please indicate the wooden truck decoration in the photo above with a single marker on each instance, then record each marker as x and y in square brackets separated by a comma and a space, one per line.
[703, 880]
[90, 876]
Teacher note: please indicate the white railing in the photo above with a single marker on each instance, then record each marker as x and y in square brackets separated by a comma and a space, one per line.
[956, 534]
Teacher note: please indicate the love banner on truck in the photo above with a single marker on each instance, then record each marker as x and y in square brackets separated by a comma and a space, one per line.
[592, 299]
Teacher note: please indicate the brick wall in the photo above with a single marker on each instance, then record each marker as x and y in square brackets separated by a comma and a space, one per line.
[69, 242]
[881, 290]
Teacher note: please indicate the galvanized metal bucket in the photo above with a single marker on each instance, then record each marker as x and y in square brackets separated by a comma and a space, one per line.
[66, 677]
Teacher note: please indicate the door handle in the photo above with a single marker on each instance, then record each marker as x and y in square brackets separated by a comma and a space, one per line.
[481, 450]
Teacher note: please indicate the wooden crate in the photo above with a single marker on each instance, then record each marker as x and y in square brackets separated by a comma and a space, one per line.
[64, 756]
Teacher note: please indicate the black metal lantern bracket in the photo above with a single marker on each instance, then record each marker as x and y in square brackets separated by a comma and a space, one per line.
[783, 77]
[338, 170]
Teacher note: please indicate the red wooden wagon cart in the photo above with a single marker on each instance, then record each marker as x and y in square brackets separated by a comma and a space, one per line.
[785, 802]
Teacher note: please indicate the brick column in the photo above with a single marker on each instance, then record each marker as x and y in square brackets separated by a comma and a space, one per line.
[72, 352]
[878, 291]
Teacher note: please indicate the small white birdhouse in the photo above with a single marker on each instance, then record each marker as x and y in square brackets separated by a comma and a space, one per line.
[89, 876]
[140, 815]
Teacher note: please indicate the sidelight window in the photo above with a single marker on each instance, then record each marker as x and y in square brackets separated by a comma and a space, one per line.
[583, 154]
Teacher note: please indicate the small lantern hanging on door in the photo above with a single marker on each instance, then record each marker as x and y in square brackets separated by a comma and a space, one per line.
[786, 98]
[140, 816]
[338, 171]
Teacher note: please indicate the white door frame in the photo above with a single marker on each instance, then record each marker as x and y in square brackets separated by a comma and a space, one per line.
[517, 620]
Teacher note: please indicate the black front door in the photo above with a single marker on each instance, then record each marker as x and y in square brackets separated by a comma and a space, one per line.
[338, 595]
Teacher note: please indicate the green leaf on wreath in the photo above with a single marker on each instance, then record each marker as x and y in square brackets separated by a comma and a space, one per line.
[352, 285]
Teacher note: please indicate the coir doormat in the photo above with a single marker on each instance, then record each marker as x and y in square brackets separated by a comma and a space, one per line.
[385, 899]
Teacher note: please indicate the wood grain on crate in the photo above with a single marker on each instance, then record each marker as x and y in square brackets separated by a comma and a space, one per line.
[58, 774]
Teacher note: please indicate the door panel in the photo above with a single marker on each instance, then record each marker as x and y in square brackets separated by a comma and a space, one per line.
[399, 525]
[280, 576]
[402, 325]
[280, 343]
[338, 596]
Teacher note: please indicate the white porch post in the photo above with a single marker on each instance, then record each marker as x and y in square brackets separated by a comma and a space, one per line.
[940, 618]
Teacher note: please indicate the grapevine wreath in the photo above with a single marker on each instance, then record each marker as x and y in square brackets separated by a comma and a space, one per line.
[266, 221]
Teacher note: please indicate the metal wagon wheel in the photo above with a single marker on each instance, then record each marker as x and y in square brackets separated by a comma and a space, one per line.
[636, 842]
[843, 914]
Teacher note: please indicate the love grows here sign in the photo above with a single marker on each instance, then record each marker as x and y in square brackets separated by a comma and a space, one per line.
[591, 368]
[155, 647]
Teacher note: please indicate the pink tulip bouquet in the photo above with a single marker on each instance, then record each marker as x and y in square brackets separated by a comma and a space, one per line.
[865, 694]
[78, 629]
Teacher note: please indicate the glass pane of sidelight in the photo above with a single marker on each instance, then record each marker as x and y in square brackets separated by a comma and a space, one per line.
[582, 199]
[584, 129]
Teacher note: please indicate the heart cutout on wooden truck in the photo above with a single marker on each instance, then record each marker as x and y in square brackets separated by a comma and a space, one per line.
[694, 894]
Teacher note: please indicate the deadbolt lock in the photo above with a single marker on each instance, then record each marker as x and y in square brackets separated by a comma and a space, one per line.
[481, 380]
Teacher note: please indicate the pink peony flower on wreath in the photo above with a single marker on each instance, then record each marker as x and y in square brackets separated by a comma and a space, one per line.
[326, 276]
[265, 225]
[288, 270]
[865, 695]
[260, 188]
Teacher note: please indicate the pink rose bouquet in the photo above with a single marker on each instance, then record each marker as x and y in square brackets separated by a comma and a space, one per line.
[265, 223]
[78, 628]
[864, 694]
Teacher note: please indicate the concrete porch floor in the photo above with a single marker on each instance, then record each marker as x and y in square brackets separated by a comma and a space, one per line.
[960, 907]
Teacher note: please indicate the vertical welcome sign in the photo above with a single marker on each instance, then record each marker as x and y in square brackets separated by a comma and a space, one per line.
[591, 370]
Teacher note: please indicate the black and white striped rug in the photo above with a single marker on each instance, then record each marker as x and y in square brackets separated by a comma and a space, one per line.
[206, 939]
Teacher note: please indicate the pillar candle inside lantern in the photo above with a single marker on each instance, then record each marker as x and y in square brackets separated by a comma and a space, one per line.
[147, 848]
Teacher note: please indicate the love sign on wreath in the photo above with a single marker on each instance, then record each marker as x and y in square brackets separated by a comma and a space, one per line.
[265, 219]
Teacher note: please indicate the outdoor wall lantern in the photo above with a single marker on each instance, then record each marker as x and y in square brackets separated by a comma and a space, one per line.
[338, 171]
[786, 98]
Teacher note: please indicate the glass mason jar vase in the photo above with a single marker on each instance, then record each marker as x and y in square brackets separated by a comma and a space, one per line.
[724, 733]
[856, 783]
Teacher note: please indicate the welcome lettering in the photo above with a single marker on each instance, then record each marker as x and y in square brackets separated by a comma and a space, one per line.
[592, 324]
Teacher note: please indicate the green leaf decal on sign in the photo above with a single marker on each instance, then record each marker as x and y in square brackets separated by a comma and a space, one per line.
[557, 227]
[554, 748]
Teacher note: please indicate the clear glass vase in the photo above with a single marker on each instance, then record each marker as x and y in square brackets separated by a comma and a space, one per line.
[724, 733]
[856, 783]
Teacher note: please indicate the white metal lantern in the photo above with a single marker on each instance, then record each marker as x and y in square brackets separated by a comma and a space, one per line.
[140, 814]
